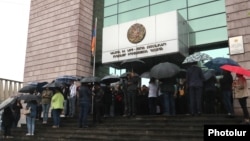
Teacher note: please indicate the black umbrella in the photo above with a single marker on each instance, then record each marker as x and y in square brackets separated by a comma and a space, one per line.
[53, 84]
[145, 75]
[132, 64]
[40, 86]
[7, 102]
[110, 79]
[90, 79]
[164, 70]
[126, 74]
[28, 89]
[28, 97]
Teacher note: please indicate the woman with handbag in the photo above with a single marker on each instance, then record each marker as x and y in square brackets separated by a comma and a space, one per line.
[241, 93]
[31, 117]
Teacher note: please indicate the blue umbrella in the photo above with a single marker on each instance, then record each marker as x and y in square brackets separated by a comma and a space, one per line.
[216, 63]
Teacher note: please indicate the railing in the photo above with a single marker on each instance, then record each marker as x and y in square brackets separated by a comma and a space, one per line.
[8, 88]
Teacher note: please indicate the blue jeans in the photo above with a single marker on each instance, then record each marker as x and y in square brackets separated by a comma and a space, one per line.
[45, 111]
[168, 103]
[227, 100]
[84, 111]
[30, 124]
[152, 103]
[72, 104]
[195, 99]
[56, 116]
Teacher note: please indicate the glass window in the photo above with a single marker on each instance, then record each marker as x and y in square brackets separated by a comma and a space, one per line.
[132, 4]
[109, 2]
[111, 10]
[222, 52]
[108, 21]
[133, 15]
[166, 7]
[208, 36]
[198, 2]
[122, 0]
[156, 1]
[206, 9]
[183, 13]
[115, 71]
[208, 22]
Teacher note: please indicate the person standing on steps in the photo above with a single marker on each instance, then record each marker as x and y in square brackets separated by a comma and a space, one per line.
[132, 91]
[7, 122]
[16, 107]
[242, 93]
[152, 96]
[46, 100]
[72, 98]
[98, 103]
[227, 92]
[194, 81]
[57, 107]
[31, 117]
[84, 97]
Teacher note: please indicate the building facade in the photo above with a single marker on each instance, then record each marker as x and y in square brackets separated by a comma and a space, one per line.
[59, 38]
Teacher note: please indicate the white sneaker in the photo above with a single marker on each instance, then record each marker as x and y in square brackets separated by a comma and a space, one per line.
[28, 134]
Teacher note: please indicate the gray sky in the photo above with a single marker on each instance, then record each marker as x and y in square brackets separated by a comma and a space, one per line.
[14, 16]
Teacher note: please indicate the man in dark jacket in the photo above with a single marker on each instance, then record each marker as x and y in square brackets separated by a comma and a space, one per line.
[7, 122]
[195, 80]
[84, 97]
[98, 103]
[227, 92]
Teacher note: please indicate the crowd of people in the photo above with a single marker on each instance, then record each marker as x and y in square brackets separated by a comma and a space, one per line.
[191, 94]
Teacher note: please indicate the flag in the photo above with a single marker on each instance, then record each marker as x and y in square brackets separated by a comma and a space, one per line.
[93, 42]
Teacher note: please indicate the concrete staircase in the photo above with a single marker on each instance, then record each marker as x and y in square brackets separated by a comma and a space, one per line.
[138, 128]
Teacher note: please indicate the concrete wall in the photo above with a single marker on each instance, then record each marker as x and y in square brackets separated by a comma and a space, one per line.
[238, 24]
[59, 39]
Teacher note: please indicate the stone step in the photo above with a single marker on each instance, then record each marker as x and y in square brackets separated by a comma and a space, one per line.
[146, 128]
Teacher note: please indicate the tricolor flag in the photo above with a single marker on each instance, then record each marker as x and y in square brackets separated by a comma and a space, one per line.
[93, 42]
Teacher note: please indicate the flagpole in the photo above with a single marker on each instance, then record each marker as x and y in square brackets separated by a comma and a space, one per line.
[94, 53]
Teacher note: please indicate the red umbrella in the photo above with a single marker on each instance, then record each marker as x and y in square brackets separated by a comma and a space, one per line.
[236, 69]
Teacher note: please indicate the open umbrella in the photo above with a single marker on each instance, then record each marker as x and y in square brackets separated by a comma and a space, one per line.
[145, 75]
[164, 70]
[7, 102]
[236, 69]
[132, 64]
[53, 84]
[217, 62]
[196, 57]
[28, 89]
[90, 79]
[110, 79]
[126, 74]
[28, 97]
[67, 79]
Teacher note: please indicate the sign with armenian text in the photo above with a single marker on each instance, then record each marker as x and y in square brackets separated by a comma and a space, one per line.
[236, 45]
[151, 36]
